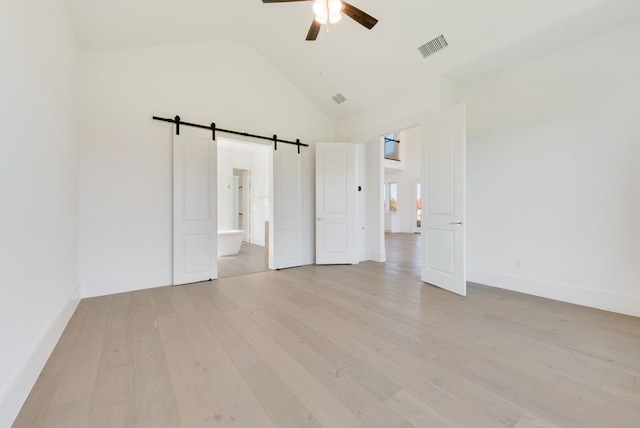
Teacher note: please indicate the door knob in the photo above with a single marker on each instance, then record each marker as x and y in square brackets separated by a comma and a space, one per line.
[457, 223]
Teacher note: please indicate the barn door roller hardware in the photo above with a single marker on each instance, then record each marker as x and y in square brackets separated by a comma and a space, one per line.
[215, 129]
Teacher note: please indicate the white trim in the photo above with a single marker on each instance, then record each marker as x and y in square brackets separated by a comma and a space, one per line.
[599, 299]
[16, 393]
[376, 257]
[108, 286]
[308, 261]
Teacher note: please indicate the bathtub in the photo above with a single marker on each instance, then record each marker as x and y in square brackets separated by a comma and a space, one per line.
[229, 242]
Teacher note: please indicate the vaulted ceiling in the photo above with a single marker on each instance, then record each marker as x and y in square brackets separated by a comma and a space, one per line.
[366, 66]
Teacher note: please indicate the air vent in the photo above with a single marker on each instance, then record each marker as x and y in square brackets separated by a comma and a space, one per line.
[433, 46]
[339, 98]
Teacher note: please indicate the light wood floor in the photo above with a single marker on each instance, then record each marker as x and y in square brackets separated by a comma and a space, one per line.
[250, 259]
[338, 346]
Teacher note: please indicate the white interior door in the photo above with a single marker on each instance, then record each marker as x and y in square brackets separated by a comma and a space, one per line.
[194, 209]
[285, 244]
[443, 197]
[335, 203]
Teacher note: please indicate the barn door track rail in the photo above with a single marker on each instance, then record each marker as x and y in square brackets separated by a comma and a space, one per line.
[214, 129]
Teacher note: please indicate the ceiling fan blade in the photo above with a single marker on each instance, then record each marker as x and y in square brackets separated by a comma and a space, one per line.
[359, 16]
[313, 30]
[280, 1]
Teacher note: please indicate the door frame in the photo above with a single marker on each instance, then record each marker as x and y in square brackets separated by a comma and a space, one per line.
[414, 213]
[276, 260]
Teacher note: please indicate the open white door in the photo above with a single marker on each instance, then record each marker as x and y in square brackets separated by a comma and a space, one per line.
[443, 197]
[195, 237]
[285, 244]
[336, 203]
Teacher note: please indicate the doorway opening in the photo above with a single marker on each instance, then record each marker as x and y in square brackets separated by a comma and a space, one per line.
[243, 207]
[402, 195]
[417, 212]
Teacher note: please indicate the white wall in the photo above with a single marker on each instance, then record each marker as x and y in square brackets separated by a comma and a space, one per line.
[553, 152]
[38, 185]
[408, 108]
[125, 157]
[553, 169]
[410, 171]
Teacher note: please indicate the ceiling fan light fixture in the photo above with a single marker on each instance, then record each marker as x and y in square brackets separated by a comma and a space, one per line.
[335, 6]
[322, 19]
[319, 7]
[328, 11]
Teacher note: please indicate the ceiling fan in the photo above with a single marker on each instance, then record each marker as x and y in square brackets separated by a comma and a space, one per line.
[329, 11]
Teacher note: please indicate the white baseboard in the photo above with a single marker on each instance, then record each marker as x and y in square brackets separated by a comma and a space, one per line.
[613, 302]
[373, 256]
[105, 287]
[18, 390]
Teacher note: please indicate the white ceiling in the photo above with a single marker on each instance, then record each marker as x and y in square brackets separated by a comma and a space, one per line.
[363, 65]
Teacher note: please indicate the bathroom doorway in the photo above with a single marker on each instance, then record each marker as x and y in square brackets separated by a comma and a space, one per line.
[243, 207]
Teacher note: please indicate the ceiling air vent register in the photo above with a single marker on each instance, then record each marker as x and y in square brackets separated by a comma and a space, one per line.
[433, 46]
[339, 98]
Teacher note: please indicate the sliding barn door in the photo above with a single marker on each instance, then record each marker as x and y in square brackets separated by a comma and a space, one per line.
[285, 246]
[194, 209]
[336, 240]
[443, 200]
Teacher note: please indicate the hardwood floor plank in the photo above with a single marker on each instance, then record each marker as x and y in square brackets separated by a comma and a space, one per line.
[81, 371]
[337, 378]
[195, 398]
[374, 381]
[154, 401]
[324, 406]
[112, 401]
[239, 351]
[249, 260]
[35, 410]
[417, 411]
[179, 299]
[629, 388]
[238, 404]
[415, 374]
[328, 326]
[282, 406]
[532, 421]
[338, 346]
[402, 352]
[120, 312]
[59, 357]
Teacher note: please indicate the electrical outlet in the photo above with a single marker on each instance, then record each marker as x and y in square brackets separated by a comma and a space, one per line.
[517, 264]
